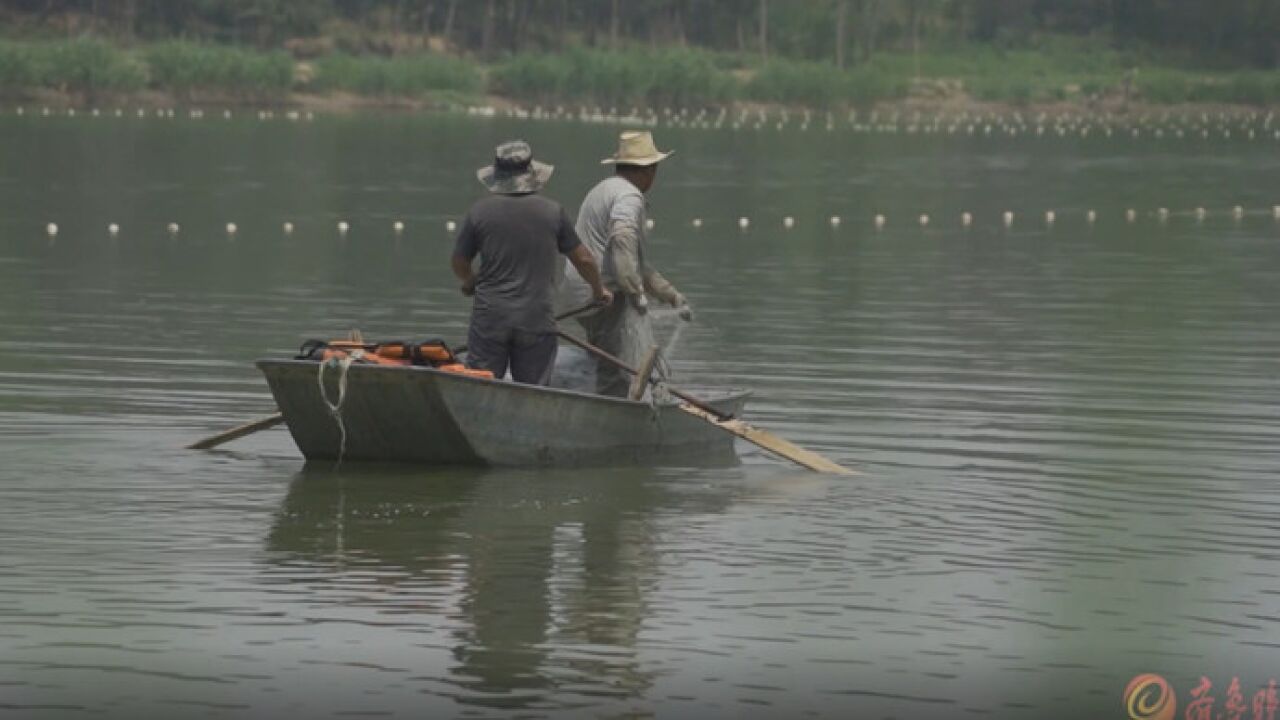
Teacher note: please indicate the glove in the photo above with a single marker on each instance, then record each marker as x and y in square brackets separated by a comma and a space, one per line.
[641, 303]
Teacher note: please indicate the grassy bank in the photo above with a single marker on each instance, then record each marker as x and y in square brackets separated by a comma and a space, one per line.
[1057, 70]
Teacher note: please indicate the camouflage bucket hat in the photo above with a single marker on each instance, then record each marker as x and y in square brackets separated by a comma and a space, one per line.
[514, 171]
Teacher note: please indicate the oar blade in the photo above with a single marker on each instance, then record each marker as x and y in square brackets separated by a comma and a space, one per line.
[237, 432]
[768, 441]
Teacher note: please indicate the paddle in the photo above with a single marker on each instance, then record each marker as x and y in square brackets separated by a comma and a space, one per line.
[695, 407]
[250, 428]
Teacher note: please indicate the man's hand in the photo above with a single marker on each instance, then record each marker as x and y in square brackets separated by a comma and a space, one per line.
[685, 312]
[469, 287]
[641, 303]
[603, 298]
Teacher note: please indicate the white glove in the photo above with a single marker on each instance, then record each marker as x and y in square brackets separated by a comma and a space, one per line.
[641, 303]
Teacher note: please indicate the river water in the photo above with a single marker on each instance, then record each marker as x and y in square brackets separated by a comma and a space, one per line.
[1069, 435]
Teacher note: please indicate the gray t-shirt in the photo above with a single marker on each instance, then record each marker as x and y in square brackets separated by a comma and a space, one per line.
[519, 239]
[613, 199]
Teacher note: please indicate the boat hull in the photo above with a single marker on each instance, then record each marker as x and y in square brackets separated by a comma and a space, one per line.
[422, 415]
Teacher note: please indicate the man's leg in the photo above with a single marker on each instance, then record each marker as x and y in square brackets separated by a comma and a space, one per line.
[533, 355]
[604, 330]
[487, 353]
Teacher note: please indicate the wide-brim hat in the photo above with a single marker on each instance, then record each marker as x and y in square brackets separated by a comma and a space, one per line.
[635, 147]
[514, 171]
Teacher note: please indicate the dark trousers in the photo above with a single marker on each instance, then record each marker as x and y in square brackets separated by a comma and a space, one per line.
[530, 356]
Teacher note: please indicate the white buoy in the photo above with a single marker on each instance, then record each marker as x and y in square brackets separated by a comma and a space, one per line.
[966, 219]
[173, 228]
[788, 222]
[648, 224]
[1131, 215]
[451, 226]
[880, 221]
[1050, 217]
[924, 220]
[1237, 212]
[113, 229]
[1200, 214]
[51, 229]
[744, 223]
[287, 228]
[343, 227]
[398, 227]
[1275, 212]
[1163, 214]
[697, 222]
[1007, 218]
[835, 221]
[1091, 216]
[231, 228]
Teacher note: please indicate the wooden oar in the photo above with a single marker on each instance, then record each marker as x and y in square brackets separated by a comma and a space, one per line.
[238, 432]
[699, 409]
[249, 428]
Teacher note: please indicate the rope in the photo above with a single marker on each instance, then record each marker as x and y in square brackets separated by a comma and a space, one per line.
[335, 409]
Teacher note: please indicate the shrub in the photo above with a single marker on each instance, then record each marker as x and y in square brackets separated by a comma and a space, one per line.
[73, 65]
[184, 67]
[405, 75]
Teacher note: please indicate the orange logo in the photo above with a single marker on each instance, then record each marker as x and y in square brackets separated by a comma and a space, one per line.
[1149, 697]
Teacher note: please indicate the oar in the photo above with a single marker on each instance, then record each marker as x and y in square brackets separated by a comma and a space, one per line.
[250, 428]
[238, 432]
[699, 409]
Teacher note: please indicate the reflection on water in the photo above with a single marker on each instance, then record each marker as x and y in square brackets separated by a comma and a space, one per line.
[543, 578]
[1069, 434]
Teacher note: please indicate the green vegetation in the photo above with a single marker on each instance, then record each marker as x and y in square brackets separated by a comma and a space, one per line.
[671, 77]
[184, 68]
[1250, 87]
[821, 85]
[81, 66]
[403, 76]
[1039, 69]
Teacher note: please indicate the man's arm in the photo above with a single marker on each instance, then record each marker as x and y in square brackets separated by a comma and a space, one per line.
[462, 269]
[587, 268]
[660, 287]
[624, 255]
[465, 249]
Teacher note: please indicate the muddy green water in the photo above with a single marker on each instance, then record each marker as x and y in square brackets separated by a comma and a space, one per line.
[1070, 435]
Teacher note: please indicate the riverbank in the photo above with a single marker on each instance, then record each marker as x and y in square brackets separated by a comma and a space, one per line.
[1060, 76]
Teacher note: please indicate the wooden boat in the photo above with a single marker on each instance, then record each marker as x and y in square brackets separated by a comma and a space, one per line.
[421, 414]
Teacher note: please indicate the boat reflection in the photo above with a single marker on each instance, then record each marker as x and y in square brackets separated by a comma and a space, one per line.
[541, 576]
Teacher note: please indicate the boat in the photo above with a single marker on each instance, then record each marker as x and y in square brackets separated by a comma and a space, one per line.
[425, 414]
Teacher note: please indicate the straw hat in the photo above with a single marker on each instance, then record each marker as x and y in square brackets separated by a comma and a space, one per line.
[514, 171]
[635, 147]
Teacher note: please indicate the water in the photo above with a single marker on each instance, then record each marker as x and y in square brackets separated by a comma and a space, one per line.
[1068, 436]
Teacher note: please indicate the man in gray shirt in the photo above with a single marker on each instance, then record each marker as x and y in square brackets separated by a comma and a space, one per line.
[612, 223]
[518, 234]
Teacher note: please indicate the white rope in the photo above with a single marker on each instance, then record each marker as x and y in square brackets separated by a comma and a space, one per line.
[335, 409]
